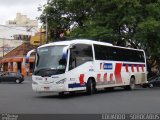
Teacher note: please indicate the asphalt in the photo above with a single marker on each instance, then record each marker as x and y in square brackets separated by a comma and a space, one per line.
[20, 99]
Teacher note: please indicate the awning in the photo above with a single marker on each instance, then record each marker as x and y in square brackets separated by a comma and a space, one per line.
[11, 60]
[20, 59]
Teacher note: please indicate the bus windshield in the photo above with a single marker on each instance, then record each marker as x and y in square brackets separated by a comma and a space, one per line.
[51, 58]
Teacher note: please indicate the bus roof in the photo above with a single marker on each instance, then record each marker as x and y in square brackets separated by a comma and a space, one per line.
[75, 41]
[84, 41]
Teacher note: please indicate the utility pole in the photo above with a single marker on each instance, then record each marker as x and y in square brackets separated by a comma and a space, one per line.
[41, 35]
[46, 28]
[2, 67]
[47, 24]
[3, 47]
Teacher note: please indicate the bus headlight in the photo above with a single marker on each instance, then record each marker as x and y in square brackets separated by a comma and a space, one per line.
[61, 81]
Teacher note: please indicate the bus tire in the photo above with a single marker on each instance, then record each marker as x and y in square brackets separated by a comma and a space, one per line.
[109, 89]
[90, 87]
[131, 85]
[144, 85]
[72, 92]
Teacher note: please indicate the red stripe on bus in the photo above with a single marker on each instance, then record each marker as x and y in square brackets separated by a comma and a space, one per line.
[137, 68]
[117, 72]
[127, 68]
[81, 79]
[98, 77]
[111, 77]
[132, 68]
[105, 77]
[142, 68]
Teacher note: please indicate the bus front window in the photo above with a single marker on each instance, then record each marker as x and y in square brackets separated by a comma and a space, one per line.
[50, 61]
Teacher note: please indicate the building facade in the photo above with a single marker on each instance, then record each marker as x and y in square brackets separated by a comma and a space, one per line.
[15, 32]
[6, 45]
[22, 20]
[15, 60]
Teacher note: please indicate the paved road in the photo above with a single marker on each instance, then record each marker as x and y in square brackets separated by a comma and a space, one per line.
[19, 98]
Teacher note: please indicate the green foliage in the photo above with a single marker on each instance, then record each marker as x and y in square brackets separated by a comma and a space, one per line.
[122, 22]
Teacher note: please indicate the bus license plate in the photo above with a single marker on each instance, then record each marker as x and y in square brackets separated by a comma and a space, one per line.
[46, 88]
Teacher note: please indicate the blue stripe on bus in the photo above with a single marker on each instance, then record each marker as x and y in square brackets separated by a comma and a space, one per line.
[74, 85]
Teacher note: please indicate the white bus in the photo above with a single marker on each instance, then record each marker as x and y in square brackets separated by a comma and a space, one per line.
[86, 65]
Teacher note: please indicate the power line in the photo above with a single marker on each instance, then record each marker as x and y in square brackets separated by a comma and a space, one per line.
[10, 39]
[12, 27]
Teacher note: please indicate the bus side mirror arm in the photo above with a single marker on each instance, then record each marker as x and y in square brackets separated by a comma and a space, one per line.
[62, 62]
[72, 46]
[29, 54]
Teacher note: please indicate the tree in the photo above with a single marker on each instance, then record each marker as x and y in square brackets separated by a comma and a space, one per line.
[134, 23]
[56, 18]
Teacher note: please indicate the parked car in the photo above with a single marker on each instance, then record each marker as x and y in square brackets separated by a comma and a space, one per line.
[11, 77]
[153, 82]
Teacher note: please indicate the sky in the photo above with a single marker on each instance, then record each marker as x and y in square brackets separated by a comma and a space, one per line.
[9, 8]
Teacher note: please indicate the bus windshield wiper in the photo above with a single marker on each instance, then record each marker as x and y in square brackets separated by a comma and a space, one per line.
[48, 72]
[42, 69]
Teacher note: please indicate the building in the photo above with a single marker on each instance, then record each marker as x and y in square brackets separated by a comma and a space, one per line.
[15, 32]
[22, 20]
[39, 38]
[9, 32]
[7, 45]
[15, 60]
[21, 25]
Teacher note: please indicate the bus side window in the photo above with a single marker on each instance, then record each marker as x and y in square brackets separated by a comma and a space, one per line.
[80, 54]
[72, 63]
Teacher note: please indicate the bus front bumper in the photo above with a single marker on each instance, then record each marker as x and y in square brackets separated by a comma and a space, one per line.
[49, 88]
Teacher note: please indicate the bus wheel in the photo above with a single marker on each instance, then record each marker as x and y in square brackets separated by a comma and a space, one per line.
[90, 87]
[109, 89]
[144, 85]
[72, 92]
[131, 86]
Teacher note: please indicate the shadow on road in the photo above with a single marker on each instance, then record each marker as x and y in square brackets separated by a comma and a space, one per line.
[83, 94]
[14, 83]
